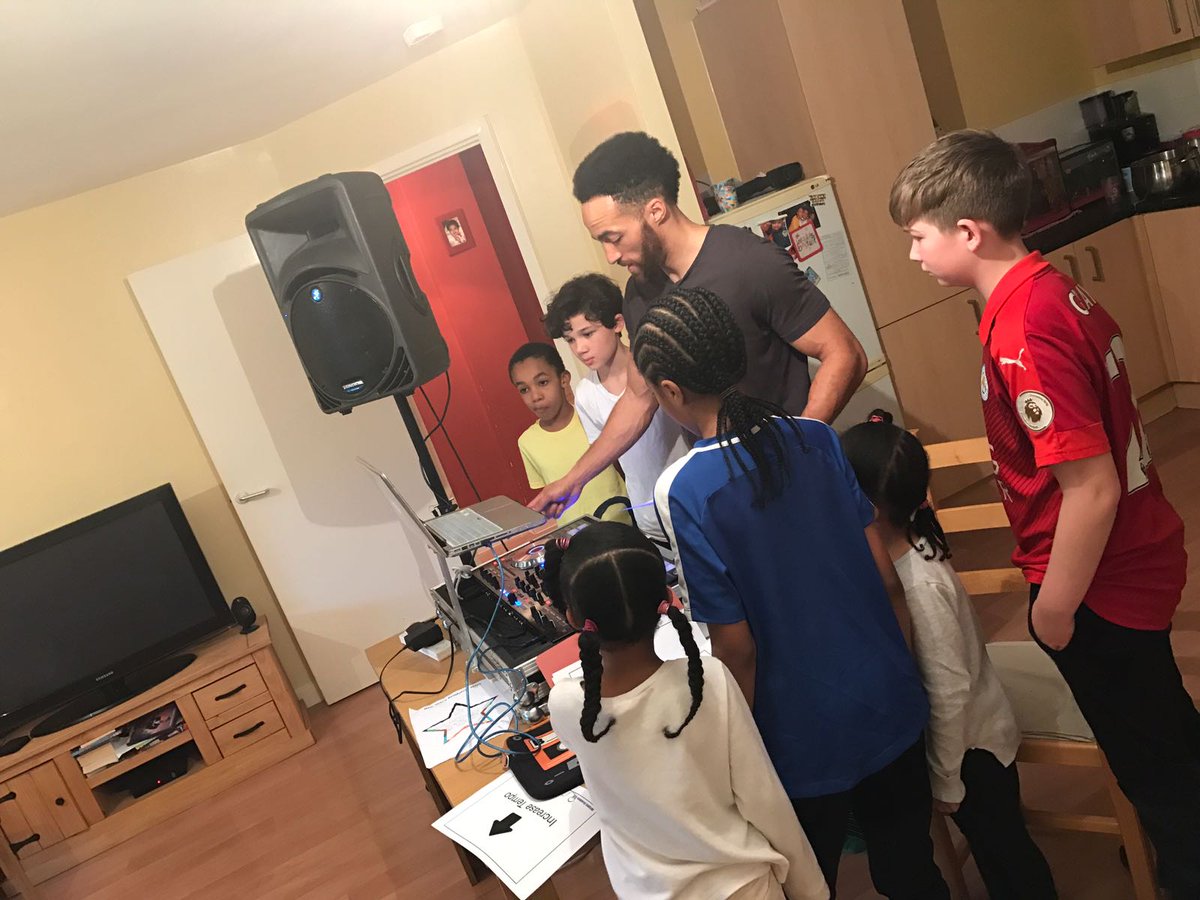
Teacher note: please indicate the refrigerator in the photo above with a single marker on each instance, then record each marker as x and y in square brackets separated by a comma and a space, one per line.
[805, 220]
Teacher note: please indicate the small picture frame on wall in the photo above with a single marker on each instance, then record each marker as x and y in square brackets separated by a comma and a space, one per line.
[455, 232]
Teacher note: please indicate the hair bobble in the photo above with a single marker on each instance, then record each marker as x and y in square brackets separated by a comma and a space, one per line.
[875, 417]
[589, 625]
[664, 607]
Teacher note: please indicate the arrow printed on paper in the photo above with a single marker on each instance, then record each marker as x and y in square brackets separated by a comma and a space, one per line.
[504, 826]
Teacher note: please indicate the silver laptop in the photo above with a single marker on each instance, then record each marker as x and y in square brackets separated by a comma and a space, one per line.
[469, 528]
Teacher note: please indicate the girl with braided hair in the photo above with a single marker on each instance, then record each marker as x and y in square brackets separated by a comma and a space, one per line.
[972, 735]
[688, 802]
[778, 554]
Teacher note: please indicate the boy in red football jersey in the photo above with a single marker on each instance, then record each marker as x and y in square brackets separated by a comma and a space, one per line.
[1097, 540]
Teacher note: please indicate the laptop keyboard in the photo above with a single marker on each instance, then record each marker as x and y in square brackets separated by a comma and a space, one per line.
[463, 527]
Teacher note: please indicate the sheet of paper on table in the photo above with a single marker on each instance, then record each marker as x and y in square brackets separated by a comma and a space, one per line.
[524, 841]
[441, 727]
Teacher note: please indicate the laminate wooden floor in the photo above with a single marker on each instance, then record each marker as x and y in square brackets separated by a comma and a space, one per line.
[349, 818]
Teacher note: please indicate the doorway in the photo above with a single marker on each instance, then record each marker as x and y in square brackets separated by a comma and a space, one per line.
[467, 260]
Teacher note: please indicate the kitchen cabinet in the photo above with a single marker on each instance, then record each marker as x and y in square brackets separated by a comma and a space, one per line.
[805, 97]
[935, 359]
[1175, 279]
[1109, 266]
[1119, 29]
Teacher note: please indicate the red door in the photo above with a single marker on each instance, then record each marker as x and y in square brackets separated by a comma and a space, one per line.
[486, 307]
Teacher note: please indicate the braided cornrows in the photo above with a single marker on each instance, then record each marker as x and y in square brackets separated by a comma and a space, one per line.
[611, 577]
[690, 337]
[695, 666]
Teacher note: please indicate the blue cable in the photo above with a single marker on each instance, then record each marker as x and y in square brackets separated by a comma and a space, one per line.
[494, 715]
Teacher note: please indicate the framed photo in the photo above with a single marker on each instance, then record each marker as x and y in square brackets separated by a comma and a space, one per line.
[455, 232]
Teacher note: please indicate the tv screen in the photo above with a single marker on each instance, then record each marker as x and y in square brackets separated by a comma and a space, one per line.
[98, 598]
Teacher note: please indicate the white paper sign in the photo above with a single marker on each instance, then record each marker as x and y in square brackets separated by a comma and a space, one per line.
[837, 256]
[441, 727]
[524, 841]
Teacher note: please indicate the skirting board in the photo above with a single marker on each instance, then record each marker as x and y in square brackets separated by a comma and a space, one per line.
[1187, 394]
[308, 694]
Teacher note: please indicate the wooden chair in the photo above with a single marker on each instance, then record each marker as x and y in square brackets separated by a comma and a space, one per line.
[1053, 729]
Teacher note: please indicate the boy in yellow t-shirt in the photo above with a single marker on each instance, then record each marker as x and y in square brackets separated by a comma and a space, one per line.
[552, 444]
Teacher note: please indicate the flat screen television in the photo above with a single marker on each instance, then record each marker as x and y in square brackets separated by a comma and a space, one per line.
[94, 612]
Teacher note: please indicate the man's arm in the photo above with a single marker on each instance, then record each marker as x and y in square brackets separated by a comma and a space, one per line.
[734, 645]
[843, 363]
[1091, 491]
[626, 423]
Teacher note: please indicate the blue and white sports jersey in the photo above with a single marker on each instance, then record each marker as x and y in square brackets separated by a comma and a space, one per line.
[837, 695]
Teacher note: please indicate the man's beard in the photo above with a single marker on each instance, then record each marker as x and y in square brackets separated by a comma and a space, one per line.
[654, 255]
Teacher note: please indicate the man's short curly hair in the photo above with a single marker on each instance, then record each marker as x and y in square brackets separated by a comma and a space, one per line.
[630, 167]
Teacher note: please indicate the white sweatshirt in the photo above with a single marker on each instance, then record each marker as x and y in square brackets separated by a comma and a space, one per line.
[967, 704]
[699, 816]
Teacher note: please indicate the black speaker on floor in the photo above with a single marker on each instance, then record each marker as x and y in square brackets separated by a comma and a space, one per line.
[339, 269]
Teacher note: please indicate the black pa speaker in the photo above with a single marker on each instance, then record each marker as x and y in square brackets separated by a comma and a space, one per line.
[339, 268]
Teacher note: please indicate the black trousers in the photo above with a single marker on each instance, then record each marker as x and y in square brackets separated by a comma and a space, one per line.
[1010, 863]
[1128, 687]
[893, 807]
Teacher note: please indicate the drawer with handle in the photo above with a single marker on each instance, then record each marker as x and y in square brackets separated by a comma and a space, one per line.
[247, 730]
[230, 691]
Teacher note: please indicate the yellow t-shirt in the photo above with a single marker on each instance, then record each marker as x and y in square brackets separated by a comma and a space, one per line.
[549, 455]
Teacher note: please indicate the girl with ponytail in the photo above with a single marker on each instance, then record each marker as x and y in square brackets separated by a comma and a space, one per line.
[778, 554]
[689, 804]
[972, 736]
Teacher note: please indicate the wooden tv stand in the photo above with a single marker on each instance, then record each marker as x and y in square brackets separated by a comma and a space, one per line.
[241, 717]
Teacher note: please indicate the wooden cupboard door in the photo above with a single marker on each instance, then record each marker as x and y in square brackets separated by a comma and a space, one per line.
[1171, 236]
[1119, 29]
[37, 803]
[1066, 260]
[1115, 276]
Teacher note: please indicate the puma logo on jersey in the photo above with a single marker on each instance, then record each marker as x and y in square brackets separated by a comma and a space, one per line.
[1008, 361]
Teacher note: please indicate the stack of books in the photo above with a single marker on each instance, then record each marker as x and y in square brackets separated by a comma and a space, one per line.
[109, 749]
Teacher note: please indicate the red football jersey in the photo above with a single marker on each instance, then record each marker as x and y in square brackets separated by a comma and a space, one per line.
[1055, 388]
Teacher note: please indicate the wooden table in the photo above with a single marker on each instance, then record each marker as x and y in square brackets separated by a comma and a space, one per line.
[449, 783]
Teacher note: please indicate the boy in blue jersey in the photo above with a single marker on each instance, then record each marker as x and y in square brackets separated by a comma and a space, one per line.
[777, 556]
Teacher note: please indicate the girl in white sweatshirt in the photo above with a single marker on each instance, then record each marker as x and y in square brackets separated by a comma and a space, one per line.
[972, 737]
[689, 804]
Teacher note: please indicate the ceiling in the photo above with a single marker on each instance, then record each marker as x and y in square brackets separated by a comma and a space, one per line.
[94, 91]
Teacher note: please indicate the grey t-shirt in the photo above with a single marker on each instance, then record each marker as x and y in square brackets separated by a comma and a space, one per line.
[771, 299]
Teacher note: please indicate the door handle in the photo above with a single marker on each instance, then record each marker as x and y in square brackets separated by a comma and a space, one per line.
[1074, 264]
[253, 495]
[1096, 264]
[1174, 18]
[974, 303]
[21, 845]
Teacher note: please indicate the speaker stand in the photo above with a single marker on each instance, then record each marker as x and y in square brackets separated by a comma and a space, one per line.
[428, 469]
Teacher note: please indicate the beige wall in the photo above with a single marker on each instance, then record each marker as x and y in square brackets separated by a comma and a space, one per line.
[91, 414]
[1013, 58]
[933, 59]
[712, 157]
[104, 421]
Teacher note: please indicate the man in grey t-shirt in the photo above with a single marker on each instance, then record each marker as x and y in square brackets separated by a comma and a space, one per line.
[774, 304]
[629, 190]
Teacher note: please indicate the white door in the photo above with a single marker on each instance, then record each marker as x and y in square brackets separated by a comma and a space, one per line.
[346, 571]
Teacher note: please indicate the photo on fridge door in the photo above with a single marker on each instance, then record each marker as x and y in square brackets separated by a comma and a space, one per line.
[776, 231]
[803, 223]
